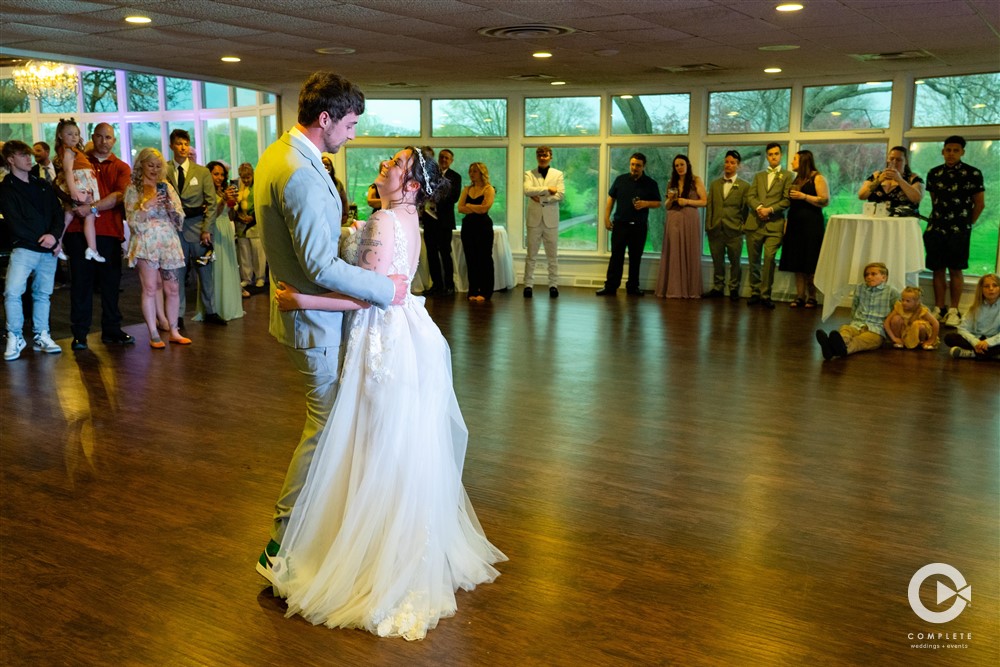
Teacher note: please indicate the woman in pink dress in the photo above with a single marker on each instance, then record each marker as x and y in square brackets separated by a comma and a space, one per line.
[680, 260]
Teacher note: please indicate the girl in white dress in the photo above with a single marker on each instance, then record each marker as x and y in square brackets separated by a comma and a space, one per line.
[383, 533]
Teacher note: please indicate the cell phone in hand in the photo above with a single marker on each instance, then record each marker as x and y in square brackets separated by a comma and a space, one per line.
[161, 188]
[234, 183]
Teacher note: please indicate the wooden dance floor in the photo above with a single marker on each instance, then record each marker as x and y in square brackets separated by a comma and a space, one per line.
[675, 483]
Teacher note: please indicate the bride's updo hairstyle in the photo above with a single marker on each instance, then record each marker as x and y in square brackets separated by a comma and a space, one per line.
[424, 170]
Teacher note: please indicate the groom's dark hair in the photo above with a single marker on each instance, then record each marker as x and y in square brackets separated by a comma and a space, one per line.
[329, 92]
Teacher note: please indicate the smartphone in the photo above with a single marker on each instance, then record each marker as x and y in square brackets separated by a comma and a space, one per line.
[161, 188]
[235, 183]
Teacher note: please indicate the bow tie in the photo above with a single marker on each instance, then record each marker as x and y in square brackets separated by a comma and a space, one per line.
[774, 170]
[729, 180]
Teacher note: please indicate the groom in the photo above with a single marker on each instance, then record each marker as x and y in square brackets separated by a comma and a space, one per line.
[299, 213]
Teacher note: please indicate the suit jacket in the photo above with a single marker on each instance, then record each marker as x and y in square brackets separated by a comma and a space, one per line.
[36, 171]
[776, 197]
[727, 212]
[546, 210]
[298, 211]
[446, 207]
[198, 192]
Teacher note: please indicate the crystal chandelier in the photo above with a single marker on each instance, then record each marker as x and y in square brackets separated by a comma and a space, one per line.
[53, 81]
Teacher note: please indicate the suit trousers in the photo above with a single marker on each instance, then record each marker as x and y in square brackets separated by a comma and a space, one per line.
[437, 239]
[633, 237]
[250, 256]
[723, 242]
[206, 277]
[319, 368]
[549, 236]
[860, 340]
[85, 275]
[760, 281]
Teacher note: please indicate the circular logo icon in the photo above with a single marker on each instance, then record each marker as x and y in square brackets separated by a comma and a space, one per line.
[960, 590]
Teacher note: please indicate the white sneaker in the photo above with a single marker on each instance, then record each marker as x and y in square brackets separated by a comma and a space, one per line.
[961, 353]
[62, 256]
[94, 255]
[44, 343]
[952, 319]
[15, 344]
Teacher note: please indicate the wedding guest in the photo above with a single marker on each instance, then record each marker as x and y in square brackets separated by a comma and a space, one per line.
[765, 225]
[631, 196]
[724, 216]
[155, 216]
[113, 176]
[873, 302]
[76, 176]
[477, 231]
[253, 264]
[545, 189]
[438, 220]
[196, 189]
[978, 334]
[341, 192]
[804, 228]
[680, 260]
[225, 269]
[958, 198]
[43, 168]
[910, 324]
[33, 216]
[898, 187]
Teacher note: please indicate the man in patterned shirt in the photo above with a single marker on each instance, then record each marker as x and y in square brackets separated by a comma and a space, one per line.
[957, 195]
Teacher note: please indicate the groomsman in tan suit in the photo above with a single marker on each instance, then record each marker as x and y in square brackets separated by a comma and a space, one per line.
[765, 226]
[724, 218]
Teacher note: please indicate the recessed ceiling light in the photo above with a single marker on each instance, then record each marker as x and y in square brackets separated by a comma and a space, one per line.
[558, 83]
[789, 7]
[626, 97]
[230, 59]
[335, 50]
[138, 19]
[772, 70]
[541, 54]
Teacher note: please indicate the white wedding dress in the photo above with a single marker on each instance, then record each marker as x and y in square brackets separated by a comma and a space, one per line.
[383, 533]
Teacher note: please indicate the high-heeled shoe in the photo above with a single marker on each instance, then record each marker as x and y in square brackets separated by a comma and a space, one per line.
[93, 255]
[157, 344]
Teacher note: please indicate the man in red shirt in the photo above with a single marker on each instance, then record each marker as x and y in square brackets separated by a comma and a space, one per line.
[113, 176]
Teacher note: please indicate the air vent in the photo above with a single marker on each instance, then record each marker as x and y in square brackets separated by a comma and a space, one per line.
[399, 84]
[530, 77]
[528, 31]
[698, 67]
[892, 55]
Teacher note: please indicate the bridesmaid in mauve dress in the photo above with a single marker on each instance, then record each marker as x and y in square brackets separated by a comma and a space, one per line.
[680, 261]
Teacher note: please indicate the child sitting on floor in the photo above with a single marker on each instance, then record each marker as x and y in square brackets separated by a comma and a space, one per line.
[872, 303]
[978, 335]
[911, 324]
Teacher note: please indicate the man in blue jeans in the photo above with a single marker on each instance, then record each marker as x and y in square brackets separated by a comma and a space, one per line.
[34, 219]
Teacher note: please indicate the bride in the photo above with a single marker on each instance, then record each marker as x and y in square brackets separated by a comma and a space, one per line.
[383, 533]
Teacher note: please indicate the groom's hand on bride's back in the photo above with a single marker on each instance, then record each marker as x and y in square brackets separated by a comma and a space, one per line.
[402, 288]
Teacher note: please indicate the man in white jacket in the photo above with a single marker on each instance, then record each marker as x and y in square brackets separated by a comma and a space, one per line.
[544, 188]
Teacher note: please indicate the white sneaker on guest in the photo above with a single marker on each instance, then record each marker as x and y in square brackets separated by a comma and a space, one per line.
[15, 344]
[952, 319]
[62, 256]
[94, 255]
[44, 343]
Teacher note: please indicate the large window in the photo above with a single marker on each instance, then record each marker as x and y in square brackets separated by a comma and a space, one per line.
[178, 93]
[143, 92]
[218, 143]
[246, 137]
[145, 135]
[749, 111]
[495, 160]
[957, 101]
[562, 116]
[650, 114]
[469, 118]
[100, 90]
[855, 106]
[984, 155]
[389, 118]
[845, 166]
[578, 213]
[215, 96]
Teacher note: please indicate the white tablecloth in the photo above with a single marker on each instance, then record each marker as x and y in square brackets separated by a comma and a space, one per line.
[503, 264]
[852, 241]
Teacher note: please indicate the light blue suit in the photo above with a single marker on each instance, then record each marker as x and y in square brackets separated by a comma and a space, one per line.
[298, 210]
